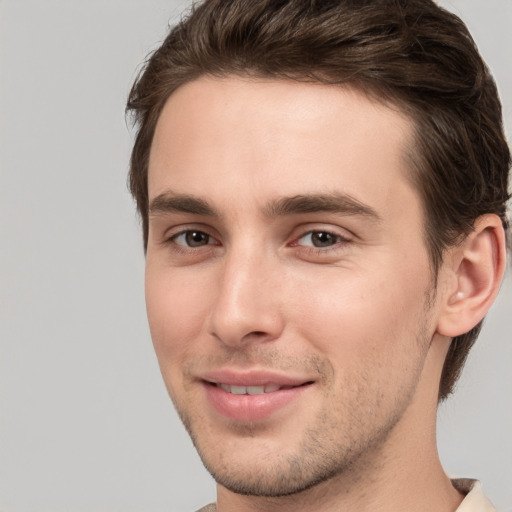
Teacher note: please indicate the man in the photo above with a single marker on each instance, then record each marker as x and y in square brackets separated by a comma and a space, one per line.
[323, 190]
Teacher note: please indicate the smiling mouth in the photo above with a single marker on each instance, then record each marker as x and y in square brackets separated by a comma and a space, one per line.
[252, 397]
[254, 390]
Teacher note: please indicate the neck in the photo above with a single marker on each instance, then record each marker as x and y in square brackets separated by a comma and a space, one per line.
[403, 474]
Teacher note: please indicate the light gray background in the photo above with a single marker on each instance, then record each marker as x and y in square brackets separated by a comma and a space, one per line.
[85, 422]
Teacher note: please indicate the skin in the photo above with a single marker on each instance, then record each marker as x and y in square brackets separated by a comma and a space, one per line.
[356, 315]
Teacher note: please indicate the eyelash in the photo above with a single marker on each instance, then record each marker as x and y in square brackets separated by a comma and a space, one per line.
[339, 242]
[338, 239]
[186, 249]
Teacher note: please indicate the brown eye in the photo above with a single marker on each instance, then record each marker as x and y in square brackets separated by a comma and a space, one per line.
[192, 238]
[323, 239]
[320, 239]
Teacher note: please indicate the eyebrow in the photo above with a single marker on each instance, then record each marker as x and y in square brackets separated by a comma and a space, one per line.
[169, 202]
[344, 204]
[314, 203]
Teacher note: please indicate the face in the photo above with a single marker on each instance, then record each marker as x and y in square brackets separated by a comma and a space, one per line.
[287, 278]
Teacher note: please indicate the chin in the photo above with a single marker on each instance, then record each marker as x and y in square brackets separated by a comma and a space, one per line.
[271, 479]
[252, 466]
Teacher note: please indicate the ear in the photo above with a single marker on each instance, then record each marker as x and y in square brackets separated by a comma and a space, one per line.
[473, 274]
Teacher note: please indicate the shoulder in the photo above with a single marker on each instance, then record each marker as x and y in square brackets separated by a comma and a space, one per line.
[475, 500]
[209, 508]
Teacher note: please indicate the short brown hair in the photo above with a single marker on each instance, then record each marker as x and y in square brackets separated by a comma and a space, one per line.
[410, 53]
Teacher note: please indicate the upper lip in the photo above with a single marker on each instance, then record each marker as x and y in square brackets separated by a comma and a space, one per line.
[252, 378]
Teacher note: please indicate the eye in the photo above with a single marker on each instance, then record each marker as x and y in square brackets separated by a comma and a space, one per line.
[193, 238]
[319, 239]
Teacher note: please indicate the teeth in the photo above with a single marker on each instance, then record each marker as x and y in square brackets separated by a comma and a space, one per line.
[255, 390]
[249, 390]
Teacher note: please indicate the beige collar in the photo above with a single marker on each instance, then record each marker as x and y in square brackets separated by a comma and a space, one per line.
[475, 500]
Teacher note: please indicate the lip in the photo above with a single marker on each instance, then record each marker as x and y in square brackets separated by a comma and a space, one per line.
[252, 408]
[253, 378]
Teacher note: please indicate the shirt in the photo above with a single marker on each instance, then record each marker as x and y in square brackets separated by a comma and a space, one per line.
[474, 501]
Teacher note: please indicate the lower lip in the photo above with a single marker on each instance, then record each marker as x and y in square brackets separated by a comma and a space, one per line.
[248, 408]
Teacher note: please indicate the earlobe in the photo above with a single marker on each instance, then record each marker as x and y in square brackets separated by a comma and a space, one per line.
[476, 272]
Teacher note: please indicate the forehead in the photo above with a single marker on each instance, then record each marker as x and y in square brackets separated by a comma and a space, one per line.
[269, 138]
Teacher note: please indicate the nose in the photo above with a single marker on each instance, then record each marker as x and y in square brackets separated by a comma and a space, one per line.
[247, 305]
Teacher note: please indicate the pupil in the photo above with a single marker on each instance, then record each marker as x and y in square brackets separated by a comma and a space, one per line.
[322, 239]
[196, 238]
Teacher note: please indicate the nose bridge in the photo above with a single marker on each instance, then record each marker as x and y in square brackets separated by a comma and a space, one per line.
[246, 305]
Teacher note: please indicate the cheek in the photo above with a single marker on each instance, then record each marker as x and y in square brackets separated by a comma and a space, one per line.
[176, 307]
[372, 333]
[355, 313]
